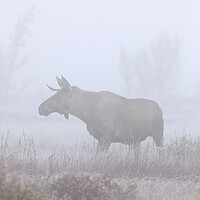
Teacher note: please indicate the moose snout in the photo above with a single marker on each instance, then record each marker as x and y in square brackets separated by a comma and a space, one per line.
[41, 110]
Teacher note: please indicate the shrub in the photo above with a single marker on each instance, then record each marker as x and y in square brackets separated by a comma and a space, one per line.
[83, 186]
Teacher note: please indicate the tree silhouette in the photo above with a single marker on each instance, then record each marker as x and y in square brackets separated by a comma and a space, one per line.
[152, 72]
[13, 60]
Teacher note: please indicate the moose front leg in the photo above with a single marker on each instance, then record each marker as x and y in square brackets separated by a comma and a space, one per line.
[103, 145]
[103, 142]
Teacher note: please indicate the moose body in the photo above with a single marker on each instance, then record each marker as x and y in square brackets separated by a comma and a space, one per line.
[109, 117]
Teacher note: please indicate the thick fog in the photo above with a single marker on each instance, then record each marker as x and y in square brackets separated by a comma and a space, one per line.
[145, 48]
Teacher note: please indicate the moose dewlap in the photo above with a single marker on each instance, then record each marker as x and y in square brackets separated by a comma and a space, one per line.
[109, 117]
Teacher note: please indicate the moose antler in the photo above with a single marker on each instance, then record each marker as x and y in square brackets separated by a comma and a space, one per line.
[52, 88]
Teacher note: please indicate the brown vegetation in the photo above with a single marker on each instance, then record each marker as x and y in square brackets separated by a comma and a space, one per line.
[26, 173]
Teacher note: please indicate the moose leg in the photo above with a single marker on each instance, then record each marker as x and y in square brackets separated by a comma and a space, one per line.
[137, 151]
[157, 132]
[158, 139]
[103, 145]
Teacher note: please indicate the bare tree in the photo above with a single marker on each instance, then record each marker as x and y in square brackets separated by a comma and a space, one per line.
[152, 72]
[13, 60]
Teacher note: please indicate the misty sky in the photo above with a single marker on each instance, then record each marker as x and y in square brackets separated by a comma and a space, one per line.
[82, 39]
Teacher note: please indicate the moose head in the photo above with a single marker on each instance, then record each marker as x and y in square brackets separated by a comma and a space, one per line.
[59, 102]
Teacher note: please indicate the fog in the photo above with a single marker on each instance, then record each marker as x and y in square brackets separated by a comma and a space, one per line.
[94, 45]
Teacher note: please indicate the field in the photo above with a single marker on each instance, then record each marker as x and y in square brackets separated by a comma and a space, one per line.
[33, 171]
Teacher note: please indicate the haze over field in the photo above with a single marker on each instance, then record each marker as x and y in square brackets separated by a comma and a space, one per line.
[134, 48]
[107, 45]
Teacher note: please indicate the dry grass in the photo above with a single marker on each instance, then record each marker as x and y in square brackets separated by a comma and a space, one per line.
[27, 172]
[168, 190]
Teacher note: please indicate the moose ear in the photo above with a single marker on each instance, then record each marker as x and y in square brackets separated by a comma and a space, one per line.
[66, 84]
[63, 83]
[60, 83]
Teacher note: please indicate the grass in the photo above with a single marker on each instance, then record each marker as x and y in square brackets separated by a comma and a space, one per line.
[29, 172]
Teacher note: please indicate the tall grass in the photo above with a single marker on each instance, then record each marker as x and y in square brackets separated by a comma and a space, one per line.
[178, 159]
[32, 171]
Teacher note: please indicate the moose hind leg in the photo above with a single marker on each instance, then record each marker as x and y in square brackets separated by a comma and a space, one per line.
[158, 139]
[157, 132]
[137, 151]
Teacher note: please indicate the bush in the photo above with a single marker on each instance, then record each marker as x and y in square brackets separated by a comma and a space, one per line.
[83, 186]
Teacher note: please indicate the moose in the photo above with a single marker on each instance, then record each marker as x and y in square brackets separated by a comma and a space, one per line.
[109, 118]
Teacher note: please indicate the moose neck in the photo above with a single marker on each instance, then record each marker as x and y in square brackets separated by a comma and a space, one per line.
[83, 103]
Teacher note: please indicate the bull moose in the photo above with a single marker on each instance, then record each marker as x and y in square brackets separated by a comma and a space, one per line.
[109, 118]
